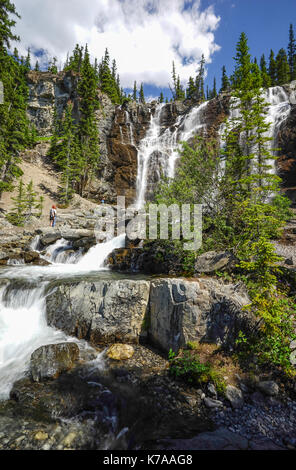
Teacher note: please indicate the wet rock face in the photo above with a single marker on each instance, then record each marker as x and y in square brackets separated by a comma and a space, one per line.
[47, 362]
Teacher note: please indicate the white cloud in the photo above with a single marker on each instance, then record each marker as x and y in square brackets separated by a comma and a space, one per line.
[144, 36]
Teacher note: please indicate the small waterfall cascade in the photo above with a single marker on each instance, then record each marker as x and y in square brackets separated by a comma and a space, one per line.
[131, 128]
[158, 150]
[23, 329]
[277, 111]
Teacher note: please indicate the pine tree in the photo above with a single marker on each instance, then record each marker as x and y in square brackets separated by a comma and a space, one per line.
[37, 68]
[282, 68]
[191, 90]
[67, 155]
[7, 9]
[161, 97]
[87, 128]
[135, 91]
[214, 92]
[14, 124]
[17, 214]
[249, 181]
[272, 70]
[52, 66]
[199, 81]
[292, 53]
[241, 126]
[29, 200]
[39, 206]
[266, 80]
[225, 84]
[141, 94]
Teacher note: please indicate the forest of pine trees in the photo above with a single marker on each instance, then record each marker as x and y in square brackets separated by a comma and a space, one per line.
[16, 133]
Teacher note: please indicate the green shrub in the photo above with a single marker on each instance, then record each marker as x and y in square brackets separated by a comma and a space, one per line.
[187, 367]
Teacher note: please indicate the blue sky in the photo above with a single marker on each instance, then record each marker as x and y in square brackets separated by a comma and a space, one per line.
[266, 23]
[145, 36]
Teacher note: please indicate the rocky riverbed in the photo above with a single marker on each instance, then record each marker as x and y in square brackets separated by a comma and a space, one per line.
[135, 404]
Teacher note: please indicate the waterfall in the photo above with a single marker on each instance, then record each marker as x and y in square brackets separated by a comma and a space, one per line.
[97, 255]
[131, 128]
[23, 329]
[277, 111]
[158, 150]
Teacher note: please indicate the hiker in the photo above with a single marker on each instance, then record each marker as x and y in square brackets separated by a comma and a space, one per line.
[53, 215]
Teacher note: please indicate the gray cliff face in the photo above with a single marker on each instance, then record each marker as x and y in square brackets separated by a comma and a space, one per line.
[170, 312]
[47, 91]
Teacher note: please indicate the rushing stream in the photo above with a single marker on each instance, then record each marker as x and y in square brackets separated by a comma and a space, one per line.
[23, 326]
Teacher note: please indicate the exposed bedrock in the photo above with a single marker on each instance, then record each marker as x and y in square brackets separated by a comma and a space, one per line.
[169, 312]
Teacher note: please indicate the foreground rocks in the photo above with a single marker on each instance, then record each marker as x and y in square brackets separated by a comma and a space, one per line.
[135, 404]
[100, 311]
[167, 312]
[201, 310]
[49, 361]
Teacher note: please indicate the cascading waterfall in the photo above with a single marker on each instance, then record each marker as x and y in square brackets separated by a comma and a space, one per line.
[23, 329]
[278, 110]
[23, 326]
[158, 151]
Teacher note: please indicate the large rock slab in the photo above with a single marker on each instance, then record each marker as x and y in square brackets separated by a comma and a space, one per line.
[200, 310]
[213, 261]
[47, 362]
[100, 311]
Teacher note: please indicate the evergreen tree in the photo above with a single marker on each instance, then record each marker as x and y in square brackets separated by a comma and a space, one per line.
[37, 68]
[199, 81]
[14, 124]
[141, 94]
[39, 206]
[191, 90]
[272, 70]
[282, 68]
[87, 129]
[7, 10]
[250, 183]
[135, 91]
[75, 61]
[17, 214]
[292, 53]
[67, 156]
[266, 80]
[29, 200]
[225, 84]
[214, 92]
[161, 98]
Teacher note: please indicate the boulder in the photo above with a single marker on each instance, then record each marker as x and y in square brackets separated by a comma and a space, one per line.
[234, 396]
[49, 237]
[268, 387]
[212, 404]
[47, 362]
[120, 352]
[205, 310]
[213, 261]
[100, 311]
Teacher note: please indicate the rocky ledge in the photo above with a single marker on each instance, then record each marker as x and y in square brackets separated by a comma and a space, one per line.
[166, 312]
